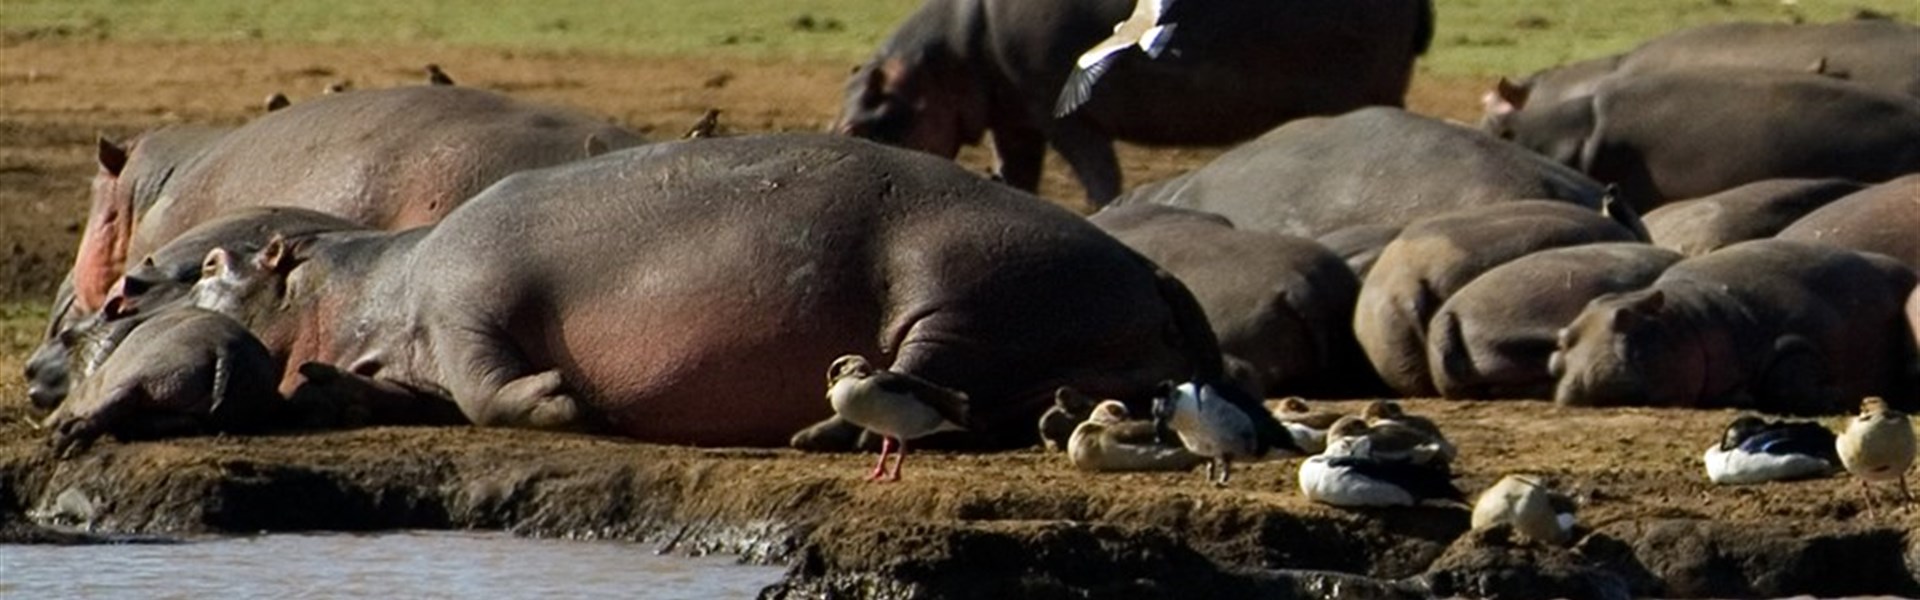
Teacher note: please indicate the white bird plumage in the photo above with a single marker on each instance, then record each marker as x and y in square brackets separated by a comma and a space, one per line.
[1878, 445]
[1145, 28]
[1208, 425]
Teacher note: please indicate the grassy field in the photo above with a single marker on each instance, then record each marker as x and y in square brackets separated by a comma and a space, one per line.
[1475, 37]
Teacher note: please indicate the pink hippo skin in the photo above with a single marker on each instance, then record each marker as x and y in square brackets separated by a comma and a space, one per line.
[695, 293]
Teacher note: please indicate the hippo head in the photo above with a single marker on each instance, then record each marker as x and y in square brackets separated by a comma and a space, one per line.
[245, 287]
[1618, 351]
[1500, 103]
[922, 100]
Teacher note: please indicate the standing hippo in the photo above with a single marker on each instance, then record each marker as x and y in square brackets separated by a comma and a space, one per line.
[1881, 54]
[1687, 134]
[693, 292]
[1770, 325]
[180, 372]
[957, 69]
[1752, 211]
[1374, 166]
[1492, 338]
[1437, 256]
[1279, 304]
[1884, 218]
[155, 285]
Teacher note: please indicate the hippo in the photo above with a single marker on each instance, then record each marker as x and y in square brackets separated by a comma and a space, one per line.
[692, 292]
[1882, 218]
[183, 371]
[1278, 303]
[1374, 166]
[1687, 134]
[158, 282]
[1752, 211]
[1360, 245]
[1772, 325]
[388, 159]
[1493, 337]
[1881, 54]
[955, 70]
[1437, 256]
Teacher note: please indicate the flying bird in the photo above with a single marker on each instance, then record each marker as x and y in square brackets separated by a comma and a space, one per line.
[1148, 28]
[1755, 450]
[898, 406]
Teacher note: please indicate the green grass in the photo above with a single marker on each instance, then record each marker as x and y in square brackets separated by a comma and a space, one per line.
[21, 325]
[1475, 37]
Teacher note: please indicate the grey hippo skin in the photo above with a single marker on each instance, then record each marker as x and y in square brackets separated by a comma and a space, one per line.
[1360, 245]
[1374, 166]
[1752, 211]
[157, 283]
[181, 372]
[1884, 218]
[694, 293]
[1881, 54]
[958, 69]
[1435, 257]
[1687, 134]
[387, 159]
[1492, 339]
[1770, 325]
[1279, 304]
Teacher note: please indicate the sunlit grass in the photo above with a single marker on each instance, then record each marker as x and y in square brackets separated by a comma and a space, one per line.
[1475, 37]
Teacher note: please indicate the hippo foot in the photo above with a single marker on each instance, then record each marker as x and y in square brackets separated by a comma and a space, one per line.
[832, 435]
[72, 436]
[534, 401]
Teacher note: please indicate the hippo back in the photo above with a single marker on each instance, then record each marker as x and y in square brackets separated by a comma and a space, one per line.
[1375, 166]
[695, 292]
[1882, 218]
[1752, 211]
[388, 159]
[1881, 54]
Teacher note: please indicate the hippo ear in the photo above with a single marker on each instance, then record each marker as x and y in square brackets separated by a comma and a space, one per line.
[1639, 309]
[117, 306]
[1514, 94]
[112, 157]
[279, 256]
[595, 145]
[217, 263]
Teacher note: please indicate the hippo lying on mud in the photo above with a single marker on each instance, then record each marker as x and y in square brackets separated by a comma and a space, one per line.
[1771, 325]
[1374, 166]
[693, 292]
[184, 371]
[1492, 338]
[1687, 134]
[1753, 211]
[1884, 218]
[1437, 256]
[1279, 304]
[154, 285]
[385, 159]
[957, 69]
[1880, 54]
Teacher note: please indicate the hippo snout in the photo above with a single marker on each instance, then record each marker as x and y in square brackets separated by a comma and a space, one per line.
[46, 378]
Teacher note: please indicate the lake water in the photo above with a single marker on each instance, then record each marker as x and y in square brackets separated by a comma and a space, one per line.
[386, 565]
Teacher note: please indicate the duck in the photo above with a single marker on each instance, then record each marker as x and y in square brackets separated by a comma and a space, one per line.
[1352, 436]
[1070, 409]
[1208, 425]
[1306, 425]
[1357, 481]
[1147, 28]
[1388, 419]
[1100, 444]
[1529, 506]
[1878, 445]
[1755, 450]
[897, 406]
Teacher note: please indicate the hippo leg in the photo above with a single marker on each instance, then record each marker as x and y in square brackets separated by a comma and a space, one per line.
[331, 398]
[1091, 156]
[1019, 154]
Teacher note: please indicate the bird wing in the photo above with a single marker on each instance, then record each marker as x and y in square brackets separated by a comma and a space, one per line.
[949, 402]
[1079, 86]
[1794, 438]
[1421, 481]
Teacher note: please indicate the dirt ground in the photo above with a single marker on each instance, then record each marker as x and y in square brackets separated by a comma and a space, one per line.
[1658, 526]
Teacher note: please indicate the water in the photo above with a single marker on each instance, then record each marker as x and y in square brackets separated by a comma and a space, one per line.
[387, 565]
